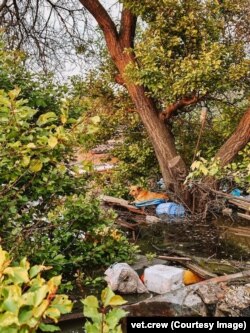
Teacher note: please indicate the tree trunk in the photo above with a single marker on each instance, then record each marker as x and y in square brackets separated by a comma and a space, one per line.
[171, 164]
[172, 167]
[236, 142]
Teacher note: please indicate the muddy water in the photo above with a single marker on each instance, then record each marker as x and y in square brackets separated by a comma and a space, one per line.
[222, 240]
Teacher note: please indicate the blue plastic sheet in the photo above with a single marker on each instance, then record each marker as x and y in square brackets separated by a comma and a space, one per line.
[170, 209]
[146, 203]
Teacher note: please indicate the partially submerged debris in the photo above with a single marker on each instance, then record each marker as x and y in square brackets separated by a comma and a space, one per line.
[121, 277]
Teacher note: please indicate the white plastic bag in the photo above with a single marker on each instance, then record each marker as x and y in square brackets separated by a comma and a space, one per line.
[123, 278]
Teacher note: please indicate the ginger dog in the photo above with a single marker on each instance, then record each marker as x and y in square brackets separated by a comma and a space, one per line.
[141, 194]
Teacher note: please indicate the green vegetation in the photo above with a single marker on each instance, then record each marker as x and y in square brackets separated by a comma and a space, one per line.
[26, 299]
[103, 317]
[170, 88]
[46, 208]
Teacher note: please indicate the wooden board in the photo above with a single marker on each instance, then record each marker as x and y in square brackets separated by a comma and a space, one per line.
[121, 203]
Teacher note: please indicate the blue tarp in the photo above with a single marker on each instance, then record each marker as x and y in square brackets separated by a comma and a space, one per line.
[145, 203]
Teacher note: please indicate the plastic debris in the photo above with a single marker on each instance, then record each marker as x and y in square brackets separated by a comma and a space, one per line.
[190, 278]
[121, 277]
[153, 202]
[171, 209]
[236, 192]
[161, 278]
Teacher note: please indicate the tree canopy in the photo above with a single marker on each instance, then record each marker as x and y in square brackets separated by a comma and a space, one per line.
[173, 57]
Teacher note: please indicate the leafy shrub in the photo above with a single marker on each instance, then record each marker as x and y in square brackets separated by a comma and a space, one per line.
[103, 318]
[45, 209]
[234, 174]
[26, 299]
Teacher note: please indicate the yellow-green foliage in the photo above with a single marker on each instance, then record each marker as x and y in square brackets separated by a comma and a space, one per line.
[103, 317]
[26, 298]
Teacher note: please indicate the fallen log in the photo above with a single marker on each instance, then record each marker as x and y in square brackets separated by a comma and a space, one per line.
[112, 201]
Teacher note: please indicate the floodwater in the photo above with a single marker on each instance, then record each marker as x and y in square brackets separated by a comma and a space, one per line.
[222, 240]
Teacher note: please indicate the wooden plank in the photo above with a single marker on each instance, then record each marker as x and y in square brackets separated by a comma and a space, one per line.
[174, 258]
[245, 216]
[240, 204]
[186, 262]
[121, 203]
[226, 278]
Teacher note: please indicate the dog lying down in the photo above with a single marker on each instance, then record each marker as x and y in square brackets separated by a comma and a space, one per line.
[141, 194]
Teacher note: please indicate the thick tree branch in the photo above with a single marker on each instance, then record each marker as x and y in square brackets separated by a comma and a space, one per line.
[236, 142]
[185, 101]
[127, 29]
[104, 20]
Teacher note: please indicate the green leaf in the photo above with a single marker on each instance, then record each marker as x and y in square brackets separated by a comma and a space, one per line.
[24, 315]
[91, 301]
[24, 263]
[40, 294]
[52, 142]
[106, 296]
[49, 328]
[92, 328]
[117, 300]
[90, 308]
[12, 305]
[13, 94]
[38, 311]
[46, 118]
[7, 319]
[36, 165]
[52, 313]
[114, 316]
[17, 274]
[62, 303]
[25, 161]
[37, 269]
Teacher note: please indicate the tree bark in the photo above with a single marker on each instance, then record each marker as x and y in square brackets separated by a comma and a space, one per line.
[236, 142]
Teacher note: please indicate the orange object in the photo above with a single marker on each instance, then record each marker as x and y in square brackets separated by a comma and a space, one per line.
[190, 278]
[142, 278]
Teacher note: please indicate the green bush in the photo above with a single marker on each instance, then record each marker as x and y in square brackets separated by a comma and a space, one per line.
[26, 299]
[46, 210]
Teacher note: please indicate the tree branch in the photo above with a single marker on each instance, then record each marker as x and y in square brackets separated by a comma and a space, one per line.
[236, 142]
[104, 20]
[185, 101]
[127, 29]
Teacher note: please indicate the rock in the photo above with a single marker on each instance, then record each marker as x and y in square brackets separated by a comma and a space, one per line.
[210, 293]
[121, 277]
[180, 302]
[237, 298]
[161, 278]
